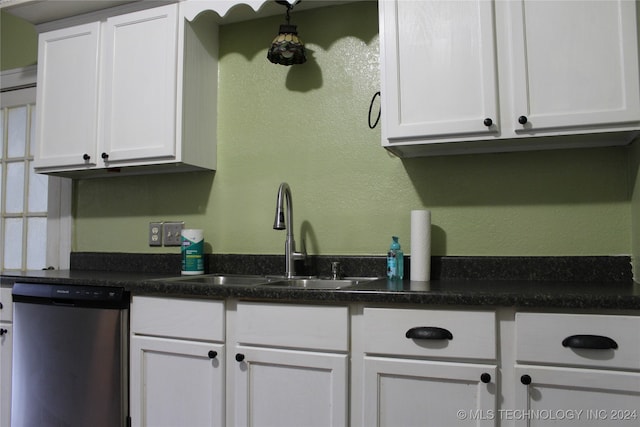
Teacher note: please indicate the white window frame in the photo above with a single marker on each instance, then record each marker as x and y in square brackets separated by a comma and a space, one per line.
[59, 215]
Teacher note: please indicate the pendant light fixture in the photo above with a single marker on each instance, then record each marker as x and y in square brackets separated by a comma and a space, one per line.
[287, 48]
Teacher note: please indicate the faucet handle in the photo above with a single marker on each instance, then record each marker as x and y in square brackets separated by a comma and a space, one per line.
[335, 270]
[302, 253]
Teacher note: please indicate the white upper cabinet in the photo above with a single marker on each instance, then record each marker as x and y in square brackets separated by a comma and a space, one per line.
[575, 64]
[462, 76]
[67, 99]
[135, 89]
[439, 68]
[140, 85]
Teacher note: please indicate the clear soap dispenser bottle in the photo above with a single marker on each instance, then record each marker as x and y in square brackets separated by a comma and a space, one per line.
[395, 261]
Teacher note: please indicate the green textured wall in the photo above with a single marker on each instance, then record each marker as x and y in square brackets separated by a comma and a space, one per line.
[18, 42]
[307, 125]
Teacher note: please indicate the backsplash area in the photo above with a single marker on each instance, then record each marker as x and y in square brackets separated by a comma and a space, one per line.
[602, 269]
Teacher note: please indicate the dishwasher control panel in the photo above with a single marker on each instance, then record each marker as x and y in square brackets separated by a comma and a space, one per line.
[74, 295]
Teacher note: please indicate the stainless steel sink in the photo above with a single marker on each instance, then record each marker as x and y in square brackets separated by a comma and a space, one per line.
[275, 281]
[316, 283]
[226, 279]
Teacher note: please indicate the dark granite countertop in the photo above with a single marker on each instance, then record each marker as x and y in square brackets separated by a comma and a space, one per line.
[449, 292]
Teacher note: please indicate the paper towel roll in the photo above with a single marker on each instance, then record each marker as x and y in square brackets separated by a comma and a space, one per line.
[420, 245]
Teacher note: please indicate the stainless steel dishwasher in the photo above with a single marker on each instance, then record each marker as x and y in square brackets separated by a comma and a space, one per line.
[70, 356]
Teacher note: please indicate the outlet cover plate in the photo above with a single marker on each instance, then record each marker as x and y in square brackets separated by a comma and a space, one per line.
[172, 233]
[155, 234]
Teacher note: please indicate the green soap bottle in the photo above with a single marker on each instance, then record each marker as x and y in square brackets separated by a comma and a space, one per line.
[395, 261]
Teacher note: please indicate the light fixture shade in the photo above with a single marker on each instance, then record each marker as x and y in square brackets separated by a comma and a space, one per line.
[287, 48]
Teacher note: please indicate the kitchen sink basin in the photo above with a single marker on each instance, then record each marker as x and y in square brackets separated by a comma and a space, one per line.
[315, 283]
[275, 281]
[227, 279]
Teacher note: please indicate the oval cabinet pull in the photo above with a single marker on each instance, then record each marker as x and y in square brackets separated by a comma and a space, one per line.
[597, 342]
[525, 379]
[485, 378]
[428, 333]
[105, 156]
[239, 357]
[523, 120]
[212, 354]
[3, 331]
[488, 122]
[86, 157]
[0, 306]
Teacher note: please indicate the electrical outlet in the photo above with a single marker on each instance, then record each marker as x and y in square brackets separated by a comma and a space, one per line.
[172, 232]
[155, 234]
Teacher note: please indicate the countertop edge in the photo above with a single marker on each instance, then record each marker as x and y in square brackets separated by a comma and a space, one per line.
[476, 293]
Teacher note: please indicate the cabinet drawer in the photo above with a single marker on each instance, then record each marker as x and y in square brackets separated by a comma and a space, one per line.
[178, 318]
[6, 312]
[540, 338]
[292, 325]
[473, 333]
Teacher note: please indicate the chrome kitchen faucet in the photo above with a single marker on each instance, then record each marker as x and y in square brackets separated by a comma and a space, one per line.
[290, 254]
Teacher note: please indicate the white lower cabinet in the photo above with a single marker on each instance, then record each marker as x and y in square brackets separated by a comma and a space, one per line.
[178, 382]
[239, 363]
[577, 369]
[406, 392]
[277, 387]
[422, 367]
[582, 397]
[6, 334]
[291, 365]
[177, 362]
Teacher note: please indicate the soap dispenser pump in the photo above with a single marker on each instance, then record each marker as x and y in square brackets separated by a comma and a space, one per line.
[395, 261]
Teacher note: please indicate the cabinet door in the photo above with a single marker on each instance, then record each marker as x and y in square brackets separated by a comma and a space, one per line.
[438, 68]
[584, 397]
[5, 373]
[67, 94]
[140, 86]
[405, 392]
[290, 388]
[176, 383]
[575, 64]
